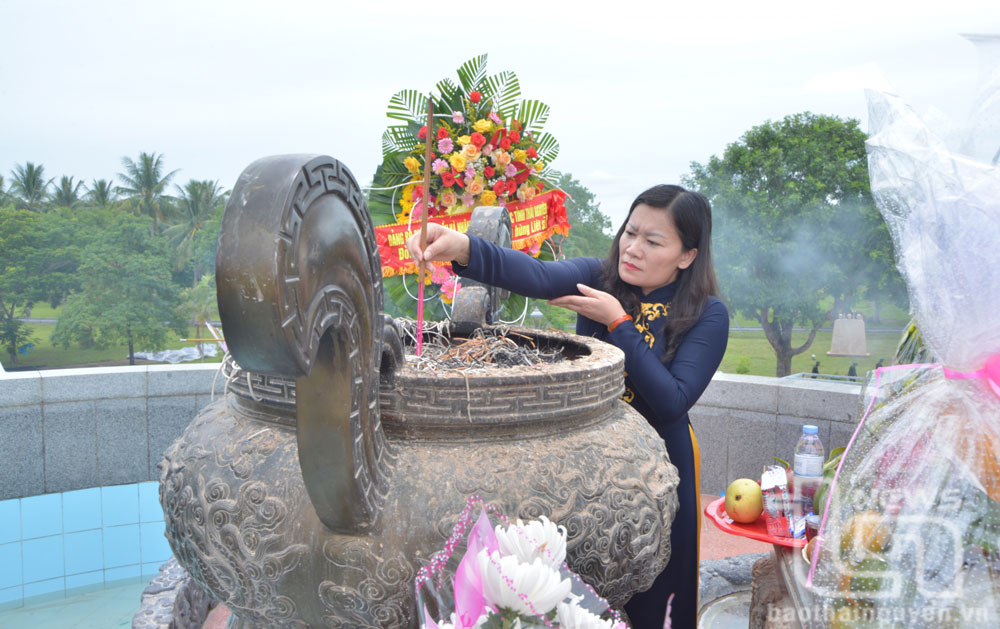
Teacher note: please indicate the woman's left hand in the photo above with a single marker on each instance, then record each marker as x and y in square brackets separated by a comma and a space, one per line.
[592, 303]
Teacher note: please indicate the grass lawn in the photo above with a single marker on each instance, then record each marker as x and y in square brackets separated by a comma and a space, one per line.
[748, 348]
[758, 355]
[46, 356]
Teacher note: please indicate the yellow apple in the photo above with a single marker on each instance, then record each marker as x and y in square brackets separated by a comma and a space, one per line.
[744, 502]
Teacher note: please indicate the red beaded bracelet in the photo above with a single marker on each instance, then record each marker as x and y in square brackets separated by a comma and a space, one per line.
[622, 319]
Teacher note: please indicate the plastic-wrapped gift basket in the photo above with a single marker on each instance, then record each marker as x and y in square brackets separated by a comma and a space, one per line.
[910, 531]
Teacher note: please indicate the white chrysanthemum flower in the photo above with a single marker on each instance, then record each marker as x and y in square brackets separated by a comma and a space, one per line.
[540, 538]
[505, 577]
[572, 616]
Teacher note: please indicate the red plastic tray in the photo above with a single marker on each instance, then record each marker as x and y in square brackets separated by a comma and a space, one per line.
[716, 510]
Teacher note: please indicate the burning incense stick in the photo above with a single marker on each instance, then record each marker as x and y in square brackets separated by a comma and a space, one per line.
[428, 154]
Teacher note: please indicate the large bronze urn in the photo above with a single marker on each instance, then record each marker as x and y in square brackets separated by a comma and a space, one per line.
[313, 491]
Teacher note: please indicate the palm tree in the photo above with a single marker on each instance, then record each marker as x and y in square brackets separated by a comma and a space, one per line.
[143, 186]
[67, 194]
[101, 193]
[29, 185]
[197, 202]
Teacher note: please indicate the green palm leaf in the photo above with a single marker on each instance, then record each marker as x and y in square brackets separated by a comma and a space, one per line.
[513, 307]
[472, 73]
[550, 176]
[548, 148]
[396, 291]
[451, 96]
[533, 115]
[398, 139]
[505, 91]
[407, 105]
[391, 171]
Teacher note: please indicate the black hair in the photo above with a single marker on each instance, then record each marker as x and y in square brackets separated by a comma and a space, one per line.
[692, 217]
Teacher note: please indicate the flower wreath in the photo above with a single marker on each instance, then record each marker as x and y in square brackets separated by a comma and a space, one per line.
[488, 149]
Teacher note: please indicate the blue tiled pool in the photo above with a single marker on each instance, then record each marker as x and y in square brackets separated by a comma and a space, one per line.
[56, 545]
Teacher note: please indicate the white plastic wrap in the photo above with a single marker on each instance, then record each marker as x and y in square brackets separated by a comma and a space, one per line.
[911, 531]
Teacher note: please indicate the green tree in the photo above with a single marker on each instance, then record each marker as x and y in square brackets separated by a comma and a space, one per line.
[143, 183]
[589, 235]
[67, 193]
[197, 203]
[29, 185]
[126, 295]
[101, 193]
[797, 236]
[590, 231]
[37, 263]
[13, 335]
[201, 301]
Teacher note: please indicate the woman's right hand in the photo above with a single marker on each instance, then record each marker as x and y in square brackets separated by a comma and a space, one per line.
[443, 245]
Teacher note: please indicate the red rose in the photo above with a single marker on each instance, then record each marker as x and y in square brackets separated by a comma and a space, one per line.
[447, 179]
[422, 134]
[418, 192]
[488, 171]
[514, 136]
[511, 186]
[475, 97]
[500, 188]
[493, 140]
[532, 153]
[478, 139]
[442, 133]
[505, 144]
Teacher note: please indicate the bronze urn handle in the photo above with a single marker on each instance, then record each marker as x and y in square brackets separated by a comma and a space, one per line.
[300, 295]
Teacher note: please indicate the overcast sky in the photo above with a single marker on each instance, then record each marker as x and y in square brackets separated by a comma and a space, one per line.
[637, 90]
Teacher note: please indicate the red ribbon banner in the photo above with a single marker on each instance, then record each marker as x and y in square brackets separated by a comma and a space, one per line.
[532, 222]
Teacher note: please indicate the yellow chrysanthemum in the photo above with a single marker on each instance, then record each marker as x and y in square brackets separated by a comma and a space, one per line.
[408, 192]
[462, 140]
[412, 164]
[457, 161]
[539, 165]
[520, 155]
[483, 126]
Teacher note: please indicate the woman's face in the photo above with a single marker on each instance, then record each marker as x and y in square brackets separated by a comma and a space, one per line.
[650, 251]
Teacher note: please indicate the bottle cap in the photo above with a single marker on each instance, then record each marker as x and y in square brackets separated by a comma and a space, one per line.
[810, 430]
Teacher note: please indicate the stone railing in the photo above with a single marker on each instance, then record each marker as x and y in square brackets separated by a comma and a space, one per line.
[71, 429]
[743, 422]
[77, 428]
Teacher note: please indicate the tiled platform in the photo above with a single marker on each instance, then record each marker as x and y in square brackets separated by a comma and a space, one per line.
[61, 544]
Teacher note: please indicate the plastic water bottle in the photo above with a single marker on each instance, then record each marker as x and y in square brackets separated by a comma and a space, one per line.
[808, 467]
